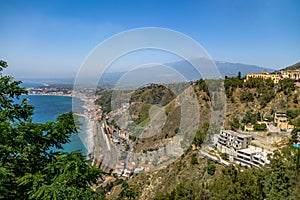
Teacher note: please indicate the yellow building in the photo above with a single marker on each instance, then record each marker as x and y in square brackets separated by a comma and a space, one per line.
[249, 127]
[281, 121]
[264, 75]
[291, 74]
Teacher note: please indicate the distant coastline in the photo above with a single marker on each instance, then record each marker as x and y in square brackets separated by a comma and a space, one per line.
[62, 95]
[87, 113]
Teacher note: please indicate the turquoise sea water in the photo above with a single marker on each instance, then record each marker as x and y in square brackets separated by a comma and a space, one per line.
[48, 108]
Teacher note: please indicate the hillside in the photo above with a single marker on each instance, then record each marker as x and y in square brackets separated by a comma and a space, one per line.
[191, 176]
[183, 175]
[260, 97]
[158, 101]
[294, 66]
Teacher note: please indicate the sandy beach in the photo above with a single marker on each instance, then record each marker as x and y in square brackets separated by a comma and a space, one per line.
[89, 116]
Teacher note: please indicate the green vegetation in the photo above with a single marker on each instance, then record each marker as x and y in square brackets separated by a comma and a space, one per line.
[29, 166]
[235, 124]
[230, 84]
[211, 168]
[287, 86]
[194, 160]
[249, 102]
[292, 114]
[225, 156]
[295, 99]
[251, 118]
[128, 192]
[144, 98]
[270, 119]
[104, 100]
[296, 123]
[279, 181]
[260, 127]
[132, 137]
[184, 191]
[265, 90]
[246, 96]
[140, 113]
[154, 94]
[202, 86]
[200, 135]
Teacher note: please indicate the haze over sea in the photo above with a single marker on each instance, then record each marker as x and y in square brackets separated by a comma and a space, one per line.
[48, 108]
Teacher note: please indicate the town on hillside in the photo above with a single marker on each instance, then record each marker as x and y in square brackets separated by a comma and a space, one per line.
[252, 145]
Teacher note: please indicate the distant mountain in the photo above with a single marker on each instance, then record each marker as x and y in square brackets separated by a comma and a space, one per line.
[225, 68]
[159, 73]
[232, 69]
[187, 70]
[294, 66]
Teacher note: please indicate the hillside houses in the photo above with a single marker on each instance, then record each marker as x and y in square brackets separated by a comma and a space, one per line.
[281, 121]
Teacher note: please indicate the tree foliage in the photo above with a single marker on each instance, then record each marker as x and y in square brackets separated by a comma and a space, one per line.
[250, 118]
[246, 96]
[194, 160]
[30, 168]
[235, 124]
[260, 127]
[278, 181]
[211, 168]
[287, 86]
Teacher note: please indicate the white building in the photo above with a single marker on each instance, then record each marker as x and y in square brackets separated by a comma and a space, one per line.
[252, 156]
[237, 146]
[233, 140]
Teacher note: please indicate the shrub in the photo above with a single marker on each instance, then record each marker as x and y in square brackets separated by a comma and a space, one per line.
[246, 96]
[211, 169]
[194, 160]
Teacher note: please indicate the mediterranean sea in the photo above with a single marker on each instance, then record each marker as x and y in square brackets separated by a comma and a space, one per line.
[48, 108]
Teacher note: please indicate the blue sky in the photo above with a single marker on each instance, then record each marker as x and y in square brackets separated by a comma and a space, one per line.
[52, 38]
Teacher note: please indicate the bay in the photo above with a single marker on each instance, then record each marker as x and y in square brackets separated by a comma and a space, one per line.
[48, 108]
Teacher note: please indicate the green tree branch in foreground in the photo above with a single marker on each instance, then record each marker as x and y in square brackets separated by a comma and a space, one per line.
[30, 167]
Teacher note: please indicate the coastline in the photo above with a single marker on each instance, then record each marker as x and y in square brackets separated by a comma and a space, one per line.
[88, 114]
[88, 106]
[61, 95]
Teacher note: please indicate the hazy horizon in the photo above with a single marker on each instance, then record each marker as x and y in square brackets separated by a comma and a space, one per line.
[53, 38]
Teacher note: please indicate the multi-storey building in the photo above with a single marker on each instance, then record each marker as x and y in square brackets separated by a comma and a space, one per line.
[291, 74]
[281, 121]
[252, 156]
[276, 77]
[237, 146]
[264, 75]
[234, 140]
